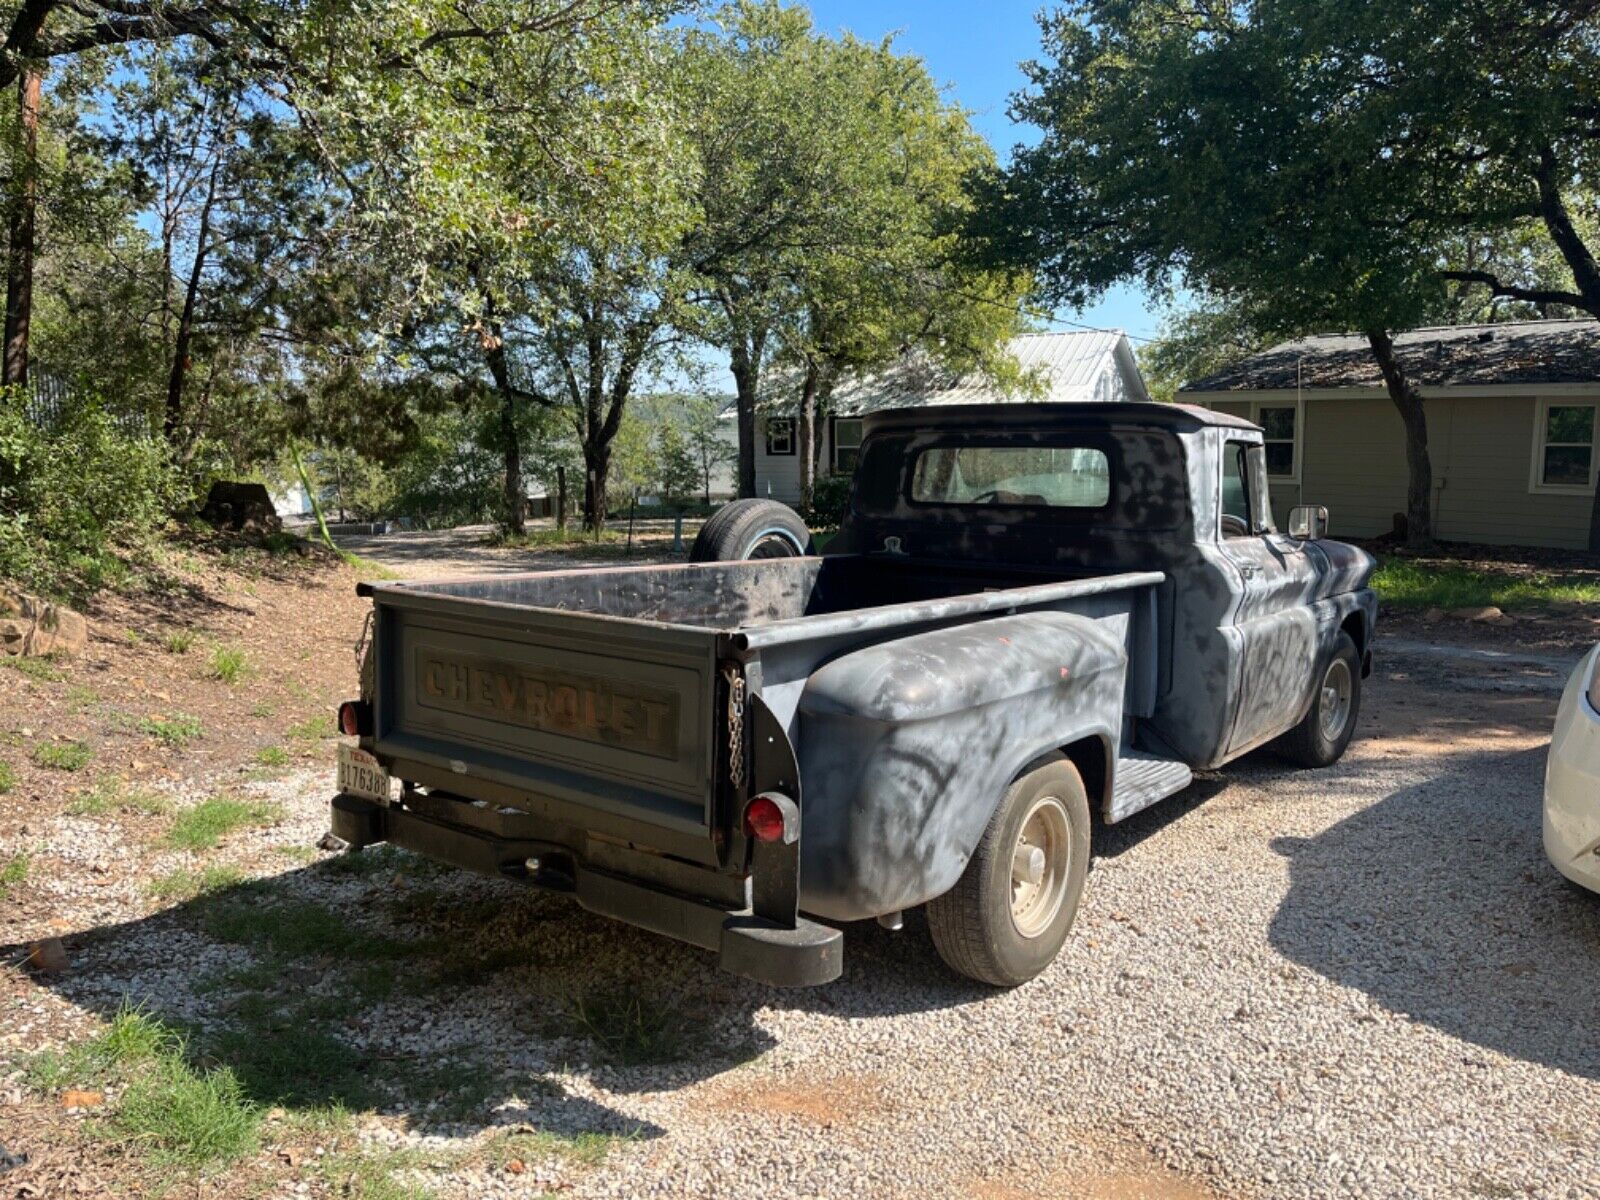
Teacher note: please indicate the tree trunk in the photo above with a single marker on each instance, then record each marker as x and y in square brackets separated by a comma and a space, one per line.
[561, 498]
[19, 260]
[597, 466]
[1408, 400]
[806, 434]
[744, 383]
[515, 519]
[1553, 209]
[172, 422]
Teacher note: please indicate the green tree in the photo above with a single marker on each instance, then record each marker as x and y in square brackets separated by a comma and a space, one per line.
[676, 472]
[704, 437]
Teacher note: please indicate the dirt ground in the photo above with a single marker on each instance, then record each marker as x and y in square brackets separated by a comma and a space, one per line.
[391, 1029]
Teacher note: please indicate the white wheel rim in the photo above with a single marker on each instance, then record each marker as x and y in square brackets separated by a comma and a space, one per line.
[1334, 700]
[1040, 862]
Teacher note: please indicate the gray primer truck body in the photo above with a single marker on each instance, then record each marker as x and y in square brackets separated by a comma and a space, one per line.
[601, 731]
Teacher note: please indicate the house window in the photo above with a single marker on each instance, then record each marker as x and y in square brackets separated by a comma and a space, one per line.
[780, 435]
[846, 444]
[1564, 446]
[1278, 421]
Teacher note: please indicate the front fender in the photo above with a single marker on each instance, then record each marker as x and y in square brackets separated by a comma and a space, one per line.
[906, 747]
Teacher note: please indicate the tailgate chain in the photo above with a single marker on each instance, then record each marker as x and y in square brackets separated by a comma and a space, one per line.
[735, 726]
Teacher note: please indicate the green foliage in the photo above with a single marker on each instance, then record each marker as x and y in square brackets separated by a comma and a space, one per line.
[63, 756]
[112, 794]
[8, 777]
[676, 471]
[630, 1027]
[41, 670]
[272, 756]
[830, 499]
[13, 873]
[178, 641]
[73, 493]
[182, 885]
[1410, 583]
[173, 732]
[228, 664]
[194, 1118]
[207, 823]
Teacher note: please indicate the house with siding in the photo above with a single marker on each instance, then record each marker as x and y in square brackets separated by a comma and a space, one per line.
[1085, 365]
[1513, 413]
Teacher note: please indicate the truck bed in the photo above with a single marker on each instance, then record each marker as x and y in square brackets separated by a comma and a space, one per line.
[592, 697]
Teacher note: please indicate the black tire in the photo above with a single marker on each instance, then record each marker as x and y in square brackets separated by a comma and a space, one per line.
[1320, 739]
[973, 925]
[751, 529]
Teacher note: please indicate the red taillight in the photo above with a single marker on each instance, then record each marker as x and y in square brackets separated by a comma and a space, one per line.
[355, 718]
[763, 819]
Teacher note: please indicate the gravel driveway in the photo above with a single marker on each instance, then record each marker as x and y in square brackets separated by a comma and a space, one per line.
[1364, 982]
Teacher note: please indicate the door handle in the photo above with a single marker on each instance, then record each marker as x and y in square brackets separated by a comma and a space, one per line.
[1247, 570]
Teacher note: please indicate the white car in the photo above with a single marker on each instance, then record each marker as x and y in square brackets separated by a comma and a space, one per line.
[1572, 779]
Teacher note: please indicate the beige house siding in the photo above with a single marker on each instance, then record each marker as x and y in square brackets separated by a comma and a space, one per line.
[1352, 459]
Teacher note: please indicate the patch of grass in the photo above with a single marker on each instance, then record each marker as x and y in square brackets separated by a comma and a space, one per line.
[63, 756]
[177, 730]
[8, 777]
[297, 854]
[207, 823]
[13, 873]
[296, 929]
[262, 709]
[178, 641]
[313, 729]
[196, 1119]
[366, 568]
[178, 886]
[40, 670]
[584, 1149]
[631, 1027]
[1407, 583]
[81, 697]
[377, 1176]
[113, 795]
[282, 1058]
[228, 664]
[272, 756]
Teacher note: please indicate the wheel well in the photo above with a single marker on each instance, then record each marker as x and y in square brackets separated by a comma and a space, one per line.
[1089, 756]
[1356, 626]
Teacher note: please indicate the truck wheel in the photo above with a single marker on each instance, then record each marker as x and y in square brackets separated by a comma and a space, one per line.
[1006, 917]
[1320, 739]
[751, 529]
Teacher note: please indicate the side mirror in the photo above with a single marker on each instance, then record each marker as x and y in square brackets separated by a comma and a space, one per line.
[1308, 522]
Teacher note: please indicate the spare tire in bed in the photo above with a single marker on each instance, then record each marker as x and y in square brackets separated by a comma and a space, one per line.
[751, 529]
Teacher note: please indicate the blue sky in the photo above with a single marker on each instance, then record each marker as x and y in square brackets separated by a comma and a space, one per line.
[975, 50]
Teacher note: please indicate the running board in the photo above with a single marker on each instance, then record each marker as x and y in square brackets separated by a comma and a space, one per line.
[1142, 779]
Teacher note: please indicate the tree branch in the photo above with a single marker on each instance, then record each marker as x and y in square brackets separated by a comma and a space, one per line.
[1512, 292]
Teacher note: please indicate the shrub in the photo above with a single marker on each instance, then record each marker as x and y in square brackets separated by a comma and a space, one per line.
[229, 664]
[178, 641]
[72, 492]
[62, 756]
[830, 497]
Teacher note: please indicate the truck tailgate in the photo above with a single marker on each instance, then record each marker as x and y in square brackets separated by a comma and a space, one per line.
[595, 721]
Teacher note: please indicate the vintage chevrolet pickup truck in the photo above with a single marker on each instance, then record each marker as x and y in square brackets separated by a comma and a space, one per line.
[1030, 612]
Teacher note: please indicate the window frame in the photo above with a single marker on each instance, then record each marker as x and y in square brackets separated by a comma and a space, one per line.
[767, 424]
[1063, 513]
[1257, 485]
[1294, 442]
[1541, 425]
[833, 443]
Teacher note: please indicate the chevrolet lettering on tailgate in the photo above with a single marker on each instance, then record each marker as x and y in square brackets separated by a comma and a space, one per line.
[564, 703]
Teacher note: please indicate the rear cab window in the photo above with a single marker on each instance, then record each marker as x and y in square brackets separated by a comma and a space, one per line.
[1063, 476]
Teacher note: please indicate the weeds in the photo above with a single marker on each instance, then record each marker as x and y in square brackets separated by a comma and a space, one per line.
[182, 885]
[313, 729]
[8, 777]
[207, 823]
[40, 670]
[13, 873]
[1408, 583]
[113, 795]
[173, 732]
[228, 664]
[272, 756]
[178, 641]
[584, 1149]
[81, 697]
[631, 1028]
[63, 756]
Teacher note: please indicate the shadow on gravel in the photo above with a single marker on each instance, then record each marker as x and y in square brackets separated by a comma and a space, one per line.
[1438, 902]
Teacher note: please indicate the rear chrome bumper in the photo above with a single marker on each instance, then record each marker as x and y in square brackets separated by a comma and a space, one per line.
[802, 955]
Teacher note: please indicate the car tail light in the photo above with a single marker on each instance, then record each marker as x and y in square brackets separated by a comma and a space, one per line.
[763, 819]
[355, 718]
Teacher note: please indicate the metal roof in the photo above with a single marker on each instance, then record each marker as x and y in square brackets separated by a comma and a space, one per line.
[1088, 365]
[1510, 352]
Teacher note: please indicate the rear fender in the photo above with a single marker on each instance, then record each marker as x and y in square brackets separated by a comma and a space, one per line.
[907, 747]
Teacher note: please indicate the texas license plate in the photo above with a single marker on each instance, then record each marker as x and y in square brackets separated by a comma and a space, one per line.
[360, 774]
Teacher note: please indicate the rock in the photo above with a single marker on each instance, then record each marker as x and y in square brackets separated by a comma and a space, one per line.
[1433, 616]
[241, 507]
[48, 956]
[33, 627]
[72, 1098]
[1485, 613]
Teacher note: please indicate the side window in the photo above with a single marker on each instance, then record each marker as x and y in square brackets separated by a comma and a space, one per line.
[1235, 490]
[1260, 500]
